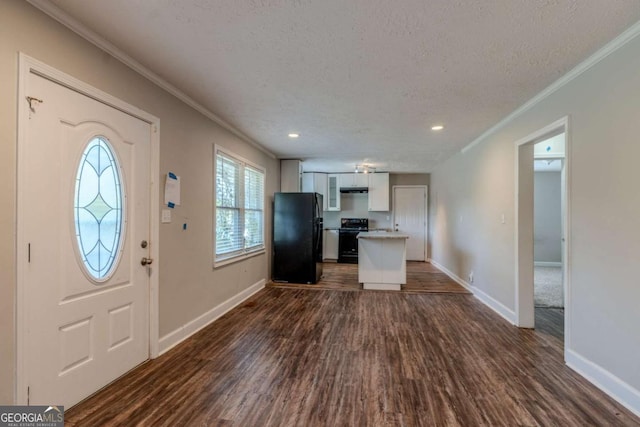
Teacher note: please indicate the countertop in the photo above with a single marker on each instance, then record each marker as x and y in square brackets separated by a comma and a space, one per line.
[382, 235]
[370, 230]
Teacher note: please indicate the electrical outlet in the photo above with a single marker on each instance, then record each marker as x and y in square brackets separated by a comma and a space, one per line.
[471, 277]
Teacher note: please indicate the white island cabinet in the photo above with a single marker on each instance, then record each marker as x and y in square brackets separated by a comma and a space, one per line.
[382, 260]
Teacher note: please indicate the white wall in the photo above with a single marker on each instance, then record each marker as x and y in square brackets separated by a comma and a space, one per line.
[470, 191]
[189, 286]
[354, 205]
[552, 147]
[547, 217]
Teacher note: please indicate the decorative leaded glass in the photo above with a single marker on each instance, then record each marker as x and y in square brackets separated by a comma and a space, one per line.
[98, 212]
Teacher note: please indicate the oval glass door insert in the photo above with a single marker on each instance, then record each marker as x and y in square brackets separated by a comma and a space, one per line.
[98, 209]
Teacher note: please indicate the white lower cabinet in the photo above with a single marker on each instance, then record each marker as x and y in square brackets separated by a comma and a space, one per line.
[330, 245]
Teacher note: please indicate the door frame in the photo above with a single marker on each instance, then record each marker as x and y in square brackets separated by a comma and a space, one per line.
[426, 213]
[523, 225]
[26, 66]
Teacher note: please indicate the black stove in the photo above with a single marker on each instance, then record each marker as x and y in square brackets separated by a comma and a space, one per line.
[347, 241]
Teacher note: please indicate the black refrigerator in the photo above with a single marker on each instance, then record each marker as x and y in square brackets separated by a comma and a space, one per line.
[297, 237]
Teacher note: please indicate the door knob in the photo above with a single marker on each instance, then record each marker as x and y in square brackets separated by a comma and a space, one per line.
[146, 261]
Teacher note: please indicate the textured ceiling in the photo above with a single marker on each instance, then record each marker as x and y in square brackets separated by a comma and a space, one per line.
[360, 80]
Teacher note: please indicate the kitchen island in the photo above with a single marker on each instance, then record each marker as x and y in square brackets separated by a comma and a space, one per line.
[382, 260]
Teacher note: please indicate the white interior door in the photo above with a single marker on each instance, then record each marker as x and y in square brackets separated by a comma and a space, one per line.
[86, 214]
[410, 217]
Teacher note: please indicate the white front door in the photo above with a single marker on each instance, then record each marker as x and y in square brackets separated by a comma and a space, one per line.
[85, 217]
[410, 217]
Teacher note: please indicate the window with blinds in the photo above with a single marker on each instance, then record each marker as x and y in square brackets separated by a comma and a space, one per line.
[239, 212]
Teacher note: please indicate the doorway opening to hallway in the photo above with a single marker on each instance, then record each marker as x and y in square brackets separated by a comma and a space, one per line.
[542, 281]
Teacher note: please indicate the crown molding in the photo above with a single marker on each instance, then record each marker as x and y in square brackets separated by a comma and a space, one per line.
[91, 36]
[628, 35]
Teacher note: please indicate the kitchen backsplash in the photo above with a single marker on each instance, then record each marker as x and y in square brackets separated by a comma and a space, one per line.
[356, 205]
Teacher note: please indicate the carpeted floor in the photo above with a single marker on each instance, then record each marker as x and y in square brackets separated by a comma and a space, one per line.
[548, 289]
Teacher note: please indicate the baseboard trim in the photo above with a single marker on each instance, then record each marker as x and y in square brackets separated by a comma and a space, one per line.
[547, 264]
[174, 338]
[452, 275]
[495, 305]
[619, 390]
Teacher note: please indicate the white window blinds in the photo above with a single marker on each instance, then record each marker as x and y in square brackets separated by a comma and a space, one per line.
[254, 205]
[239, 216]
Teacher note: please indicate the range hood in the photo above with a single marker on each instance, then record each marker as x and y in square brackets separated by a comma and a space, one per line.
[354, 189]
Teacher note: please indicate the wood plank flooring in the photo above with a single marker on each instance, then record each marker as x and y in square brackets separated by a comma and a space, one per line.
[295, 357]
[550, 321]
[422, 277]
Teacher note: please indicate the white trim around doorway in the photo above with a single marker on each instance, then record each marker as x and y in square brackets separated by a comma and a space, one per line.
[426, 214]
[28, 65]
[524, 311]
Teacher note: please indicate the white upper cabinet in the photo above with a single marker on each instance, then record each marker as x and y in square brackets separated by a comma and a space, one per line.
[313, 182]
[378, 191]
[333, 192]
[290, 171]
[348, 180]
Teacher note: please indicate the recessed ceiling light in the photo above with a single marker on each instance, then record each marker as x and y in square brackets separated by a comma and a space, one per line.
[437, 127]
[294, 135]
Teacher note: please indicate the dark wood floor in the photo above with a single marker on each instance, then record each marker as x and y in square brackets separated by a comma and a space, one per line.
[550, 321]
[295, 357]
[422, 277]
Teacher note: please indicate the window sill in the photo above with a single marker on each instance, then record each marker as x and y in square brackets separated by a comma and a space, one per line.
[236, 258]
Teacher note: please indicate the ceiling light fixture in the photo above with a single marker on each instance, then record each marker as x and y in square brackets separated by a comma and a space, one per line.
[437, 127]
[364, 169]
[294, 135]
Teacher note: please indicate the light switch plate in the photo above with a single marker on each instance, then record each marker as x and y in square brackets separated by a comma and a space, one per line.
[166, 216]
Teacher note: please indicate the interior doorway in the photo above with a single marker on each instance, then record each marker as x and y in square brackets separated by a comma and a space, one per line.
[548, 265]
[543, 246]
[410, 217]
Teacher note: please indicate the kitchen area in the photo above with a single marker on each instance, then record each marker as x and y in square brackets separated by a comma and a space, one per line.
[357, 213]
